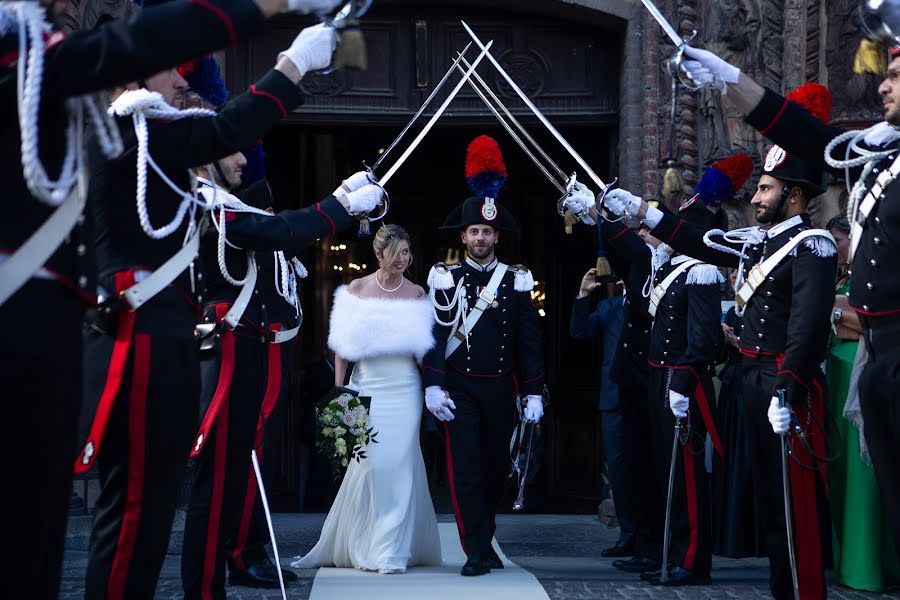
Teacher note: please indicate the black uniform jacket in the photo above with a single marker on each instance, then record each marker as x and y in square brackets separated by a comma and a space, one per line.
[631, 260]
[686, 332]
[505, 340]
[176, 146]
[85, 61]
[790, 312]
[876, 270]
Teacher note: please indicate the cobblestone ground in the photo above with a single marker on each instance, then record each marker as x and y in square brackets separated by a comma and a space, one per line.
[562, 552]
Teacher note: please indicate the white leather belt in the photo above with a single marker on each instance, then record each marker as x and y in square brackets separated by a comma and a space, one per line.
[883, 180]
[659, 292]
[280, 337]
[41, 273]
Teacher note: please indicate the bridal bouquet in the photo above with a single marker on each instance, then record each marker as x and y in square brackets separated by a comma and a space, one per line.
[344, 431]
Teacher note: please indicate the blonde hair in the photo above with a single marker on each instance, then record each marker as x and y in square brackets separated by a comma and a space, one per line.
[387, 242]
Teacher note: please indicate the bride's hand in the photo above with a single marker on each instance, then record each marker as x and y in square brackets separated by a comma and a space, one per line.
[439, 403]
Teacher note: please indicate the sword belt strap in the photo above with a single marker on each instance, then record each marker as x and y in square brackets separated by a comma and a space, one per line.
[485, 298]
[659, 292]
[282, 336]
[223, 385]
[31, 256]
[760, 271]
[876, 194]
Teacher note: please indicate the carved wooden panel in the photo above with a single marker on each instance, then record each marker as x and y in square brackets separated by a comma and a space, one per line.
[856, 98]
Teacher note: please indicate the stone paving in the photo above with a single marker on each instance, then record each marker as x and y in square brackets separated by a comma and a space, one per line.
[562, 551]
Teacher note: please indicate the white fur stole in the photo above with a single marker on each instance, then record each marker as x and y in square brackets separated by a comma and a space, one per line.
[368, 327]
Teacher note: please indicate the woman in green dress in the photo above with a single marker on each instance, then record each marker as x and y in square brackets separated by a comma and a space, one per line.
[864, 553]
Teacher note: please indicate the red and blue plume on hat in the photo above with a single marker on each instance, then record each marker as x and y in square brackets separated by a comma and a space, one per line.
[205, 79]
[724, 179]
[255, 169]
[485, 171]
[815, 98]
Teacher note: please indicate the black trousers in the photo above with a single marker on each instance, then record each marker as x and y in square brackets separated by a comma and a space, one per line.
[478, 462]
[41, 377]
[632, 377]
[811, 524]
[880, 403]
[690, 522]
[144, 454]
[613, 433]
[223, 471]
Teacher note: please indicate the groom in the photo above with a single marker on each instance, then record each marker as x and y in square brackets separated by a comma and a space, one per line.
[484, 354]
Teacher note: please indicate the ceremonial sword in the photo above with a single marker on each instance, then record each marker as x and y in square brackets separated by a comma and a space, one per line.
[265, 504]
[674, 65]
[485, 51]
[664, 571]
[788, 520]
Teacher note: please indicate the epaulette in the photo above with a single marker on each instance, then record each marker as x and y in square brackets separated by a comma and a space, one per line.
[440, 277]
[821, 246]
[524, 281]
[703, 274]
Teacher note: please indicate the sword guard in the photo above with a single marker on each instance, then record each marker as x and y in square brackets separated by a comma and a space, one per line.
[677, 71]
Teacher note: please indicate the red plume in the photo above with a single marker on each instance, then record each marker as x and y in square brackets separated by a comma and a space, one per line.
[483, 156]
[737, 168]
[815, 98]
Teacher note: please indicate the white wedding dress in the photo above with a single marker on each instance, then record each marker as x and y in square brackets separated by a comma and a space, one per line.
[382, 518]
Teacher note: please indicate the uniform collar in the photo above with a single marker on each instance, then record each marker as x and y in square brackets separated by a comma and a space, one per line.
[784, 226]
[483, 268]
[677, 260]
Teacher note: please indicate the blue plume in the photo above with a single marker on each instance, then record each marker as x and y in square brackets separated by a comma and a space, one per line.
[206, 80]
[486, 184]
[255, 169]
[714, 187]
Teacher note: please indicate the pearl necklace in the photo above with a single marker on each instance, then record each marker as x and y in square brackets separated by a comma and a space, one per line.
[384, 289]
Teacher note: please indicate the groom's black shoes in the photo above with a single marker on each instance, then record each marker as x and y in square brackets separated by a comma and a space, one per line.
[493, 560]
[260, 575]
[476, 565]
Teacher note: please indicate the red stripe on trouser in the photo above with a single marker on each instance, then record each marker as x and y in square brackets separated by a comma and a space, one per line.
[459, 520]
[273, 390]
[690, 489]
[114, 375]
[137, 423]
[223, 386]
[211, 551]
[703, 405]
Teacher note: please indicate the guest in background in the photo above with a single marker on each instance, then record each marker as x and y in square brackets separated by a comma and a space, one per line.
[606, 321]
[864, 554]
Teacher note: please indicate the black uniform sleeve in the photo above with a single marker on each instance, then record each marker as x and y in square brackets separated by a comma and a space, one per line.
[584, 324]
[289, 230]
[199, 141]
[812, 298]
[434, 365]
[704, 335]
[796, 130]
[529, 353]
[687, 238]
[625, 247]
[159, 38]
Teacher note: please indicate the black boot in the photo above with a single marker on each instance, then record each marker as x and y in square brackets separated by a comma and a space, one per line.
[476, 565]
[493, 560]
[638, 564]
[257, 575]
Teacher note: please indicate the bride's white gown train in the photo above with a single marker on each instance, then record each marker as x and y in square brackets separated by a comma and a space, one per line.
[382, 518]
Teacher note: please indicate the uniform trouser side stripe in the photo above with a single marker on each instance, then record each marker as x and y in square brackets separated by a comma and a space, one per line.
[690, 488]
[137, 423]
[459, 520]
[806, 532]
[211, 550]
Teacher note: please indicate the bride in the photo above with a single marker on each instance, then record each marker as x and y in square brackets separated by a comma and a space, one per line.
[382, 518]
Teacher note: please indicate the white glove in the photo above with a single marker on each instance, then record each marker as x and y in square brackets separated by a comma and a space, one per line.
[580, 199]
[622, 203]
[706, 68]
[352, 183]
[534, 408]
[779, 417]
[312, 48]
[365, 199]
[679, 404]
[312, 6]
[439, 403]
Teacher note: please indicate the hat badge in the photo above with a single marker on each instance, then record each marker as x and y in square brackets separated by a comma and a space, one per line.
[489, 209]
[774, 158]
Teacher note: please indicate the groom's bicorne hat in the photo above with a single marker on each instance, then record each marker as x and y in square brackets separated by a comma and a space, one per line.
[791, 169]
[485, 174]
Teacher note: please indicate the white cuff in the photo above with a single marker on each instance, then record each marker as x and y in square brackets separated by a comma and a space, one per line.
[654, 216]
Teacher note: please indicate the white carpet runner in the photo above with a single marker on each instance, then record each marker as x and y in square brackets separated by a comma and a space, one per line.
[431, 583]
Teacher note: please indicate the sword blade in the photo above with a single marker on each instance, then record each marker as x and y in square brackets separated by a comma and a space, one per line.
[265, 503]
[425, 104]
[541, 167]
[534, 109]
[788, 520]
[485, 51]
[664, 572]
[663, 22]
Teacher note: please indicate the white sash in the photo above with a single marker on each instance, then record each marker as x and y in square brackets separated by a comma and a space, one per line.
[660, 290]
[485, 299]
[883, 180]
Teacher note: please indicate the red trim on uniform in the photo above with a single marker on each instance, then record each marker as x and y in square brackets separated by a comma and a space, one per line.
[533, 379]
[806, 532]
[324, 214]
[223, 386]
[429, 367]
[780, 112]
[215, 506]
[8, 59]
[137, 440]
[755, 354]
[273, 391]
[223, 16]
[229, 215]
[271, 97]
[879, 313]
[690, 486]
[114, 375]
[459, 520]
[620, 234]
[674, 231]
[703, 405]
[789, 372]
